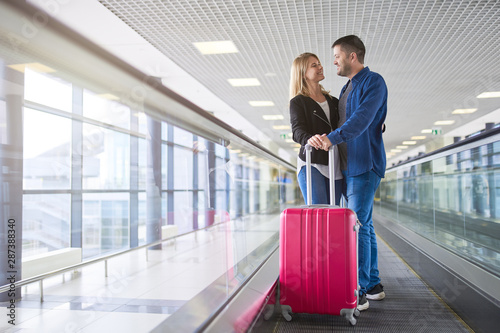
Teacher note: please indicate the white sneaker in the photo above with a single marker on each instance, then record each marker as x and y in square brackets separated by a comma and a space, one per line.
[376, 293]
[363, 303]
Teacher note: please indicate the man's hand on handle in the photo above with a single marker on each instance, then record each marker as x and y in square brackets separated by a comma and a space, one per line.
[325, 142]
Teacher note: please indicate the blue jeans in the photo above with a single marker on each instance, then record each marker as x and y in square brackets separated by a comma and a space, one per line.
[360, 195]
[320, 187]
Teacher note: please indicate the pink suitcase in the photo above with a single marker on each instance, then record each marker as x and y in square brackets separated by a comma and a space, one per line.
[318, 258]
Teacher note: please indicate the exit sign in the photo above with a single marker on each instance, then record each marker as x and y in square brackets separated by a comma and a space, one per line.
[437, 131]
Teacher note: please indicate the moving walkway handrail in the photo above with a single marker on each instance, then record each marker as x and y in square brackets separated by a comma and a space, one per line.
[102, 71]
[479, 139]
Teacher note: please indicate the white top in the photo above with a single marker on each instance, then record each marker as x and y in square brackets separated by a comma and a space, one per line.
[323, 169]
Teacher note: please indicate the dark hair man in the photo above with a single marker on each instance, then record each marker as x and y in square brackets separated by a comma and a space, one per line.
[362, 112]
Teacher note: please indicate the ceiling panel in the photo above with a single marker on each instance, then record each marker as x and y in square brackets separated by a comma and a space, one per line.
[434, 55]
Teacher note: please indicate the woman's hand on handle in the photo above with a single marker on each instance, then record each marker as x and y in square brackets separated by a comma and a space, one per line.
[315, 141]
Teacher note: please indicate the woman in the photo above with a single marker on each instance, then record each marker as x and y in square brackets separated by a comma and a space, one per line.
[313, 111]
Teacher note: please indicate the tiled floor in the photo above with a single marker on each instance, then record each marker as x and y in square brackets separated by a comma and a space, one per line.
[138, 294]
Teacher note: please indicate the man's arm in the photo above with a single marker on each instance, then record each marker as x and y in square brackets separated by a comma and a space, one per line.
[375, 94]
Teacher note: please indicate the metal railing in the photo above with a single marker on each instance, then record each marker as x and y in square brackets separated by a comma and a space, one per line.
[39, 278]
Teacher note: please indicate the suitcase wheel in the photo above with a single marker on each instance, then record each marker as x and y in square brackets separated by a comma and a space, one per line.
[286, 311]
[349, 315]
[268, 311]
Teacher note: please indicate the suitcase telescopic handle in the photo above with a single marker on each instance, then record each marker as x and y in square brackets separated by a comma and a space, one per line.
[331, 173]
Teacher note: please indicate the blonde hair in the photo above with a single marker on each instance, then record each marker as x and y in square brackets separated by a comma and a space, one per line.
[298, 84]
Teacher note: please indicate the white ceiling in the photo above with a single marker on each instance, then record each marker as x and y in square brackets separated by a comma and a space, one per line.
[435, 56]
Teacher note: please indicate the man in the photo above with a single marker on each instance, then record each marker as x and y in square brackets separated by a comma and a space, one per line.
[362, 112]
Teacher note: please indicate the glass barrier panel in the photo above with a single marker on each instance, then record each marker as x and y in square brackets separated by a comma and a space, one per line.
[41, 87]
[46, 223]
[452, 200]
[46, 151]
[105, 220]
[106, 109]
[88, 166]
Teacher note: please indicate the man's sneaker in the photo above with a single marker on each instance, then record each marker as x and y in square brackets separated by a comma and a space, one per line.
[363, 303]
[376, 293]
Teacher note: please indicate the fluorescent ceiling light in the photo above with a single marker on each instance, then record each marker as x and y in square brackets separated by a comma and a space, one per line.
[248, 82]
[289, 141]
[218, 47]
[463, 111]
[409, 143]
[296, 145]
[426, 131]
[281, 127]
[420, 137]
[489, 94]
[272, 117]
[395, 150]
[261, 103]
[36, 66]
[401, 147]
[444, 122]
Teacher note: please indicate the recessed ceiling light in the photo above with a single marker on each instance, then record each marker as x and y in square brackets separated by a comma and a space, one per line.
[401, 147]
[217, 47]
[409, 143]
[36, 66]
[444, 122]
[489, 94]
[463, 111]
[272, 117]
[261, 103]
[395, 150]
[248, 82]
[426, 131]
[289, 141]
[296, 145]
[281, 127]
[419, 137]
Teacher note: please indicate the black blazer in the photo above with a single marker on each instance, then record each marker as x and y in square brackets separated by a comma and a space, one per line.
[308, 119]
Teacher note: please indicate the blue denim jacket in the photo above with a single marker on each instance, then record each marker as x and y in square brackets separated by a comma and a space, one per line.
[366, 109]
